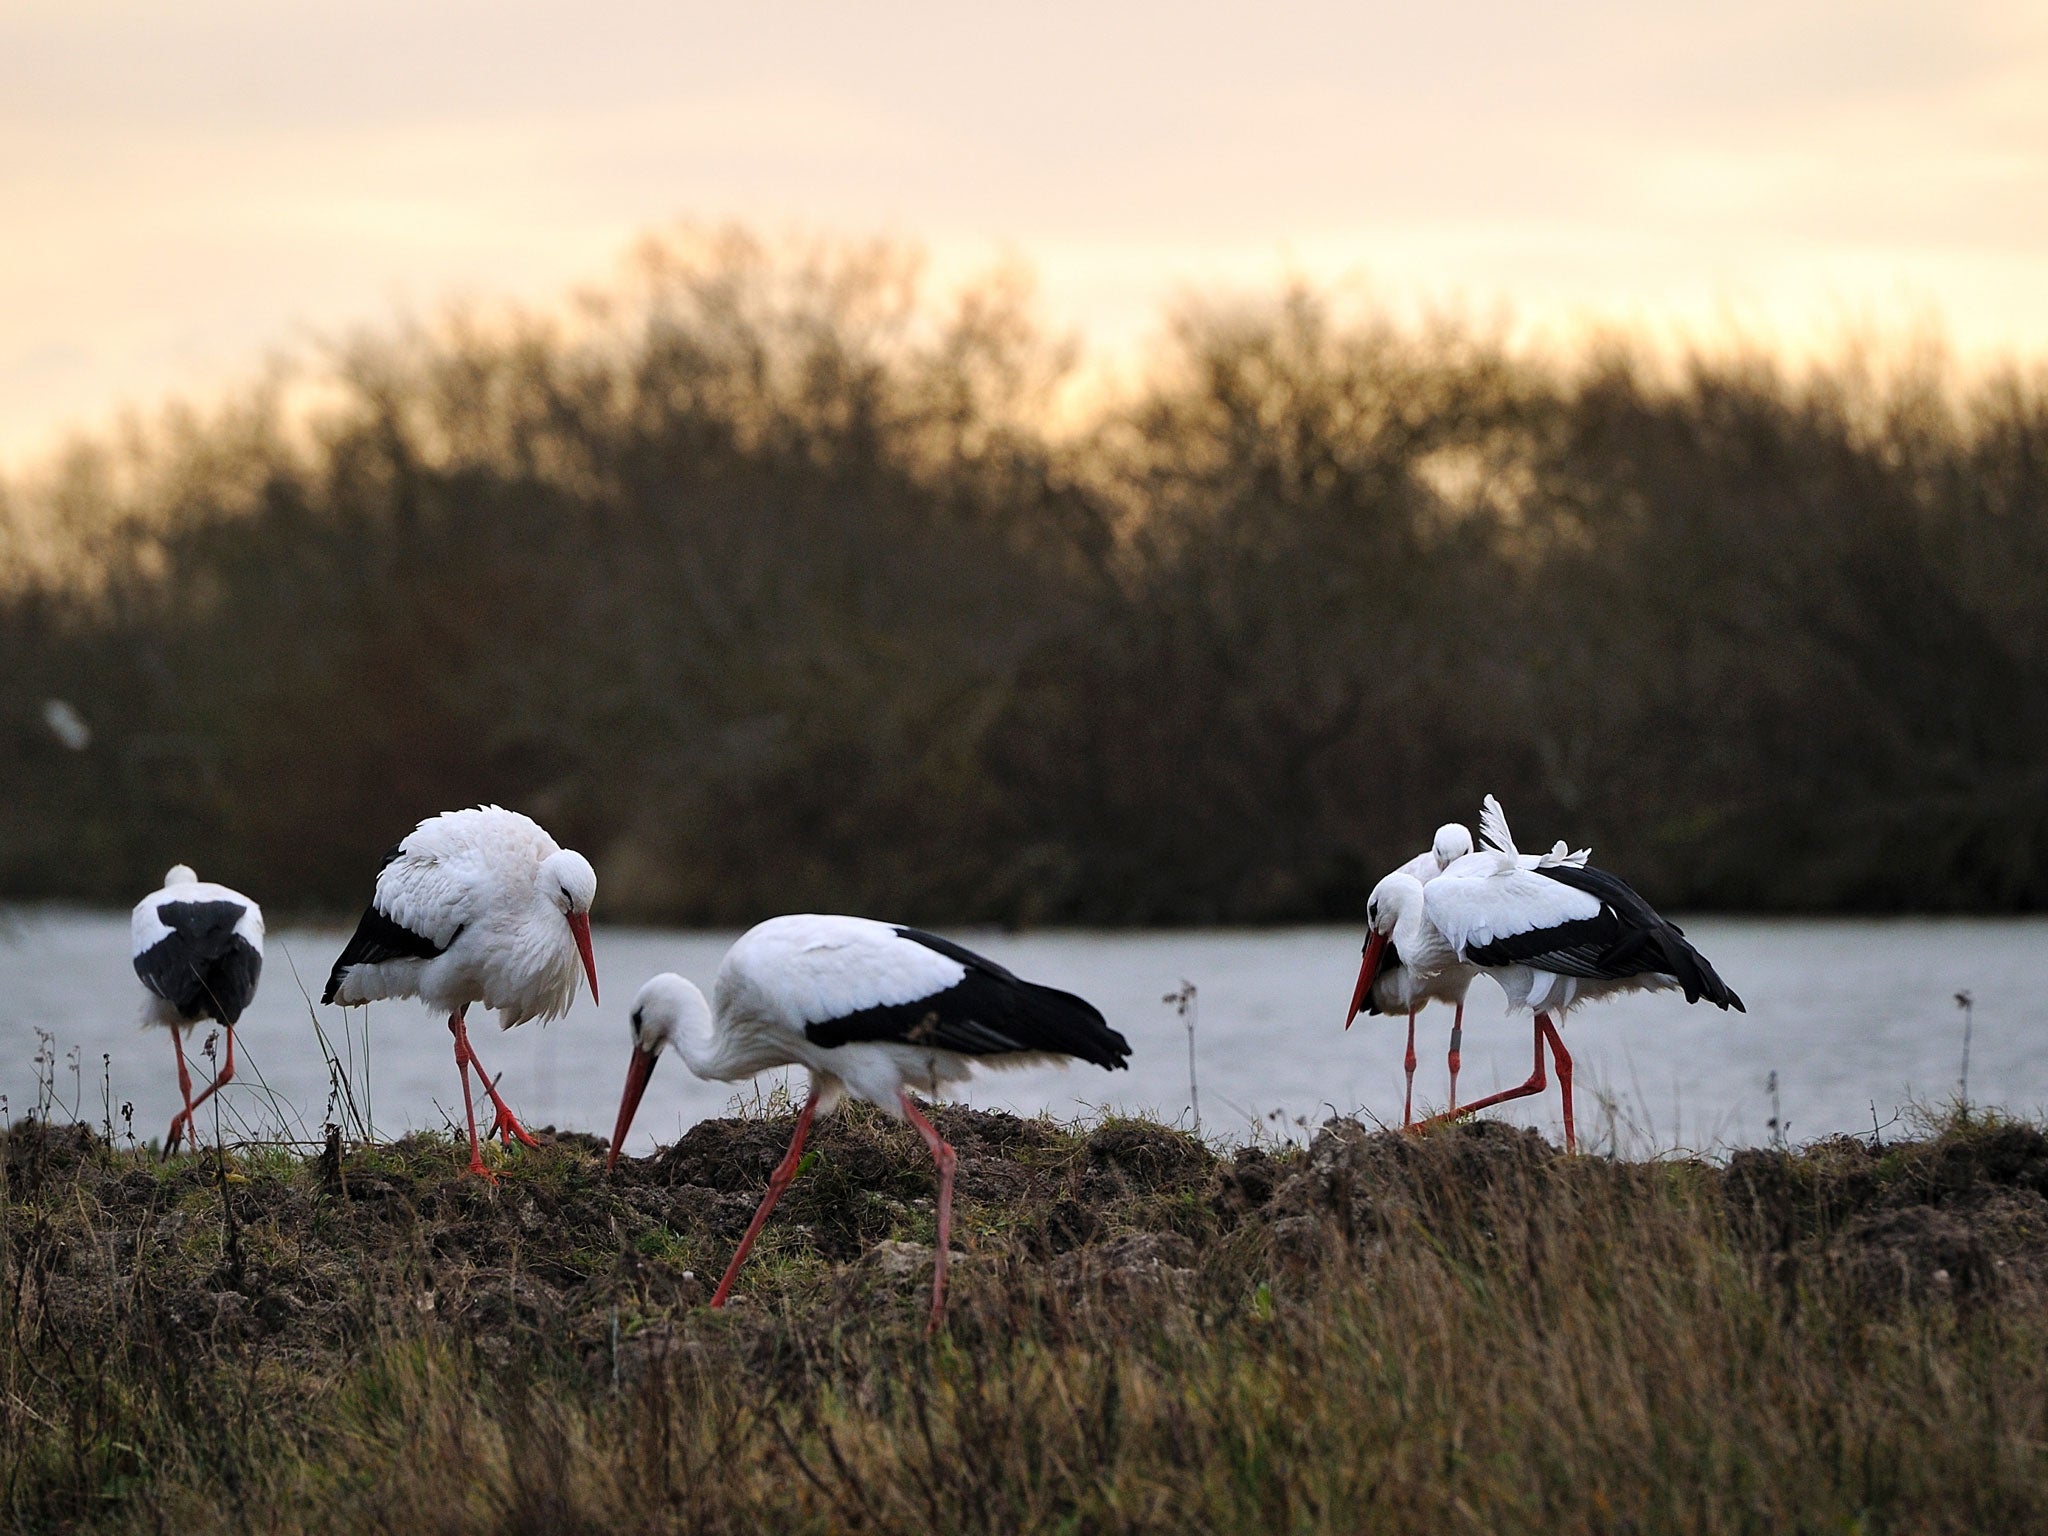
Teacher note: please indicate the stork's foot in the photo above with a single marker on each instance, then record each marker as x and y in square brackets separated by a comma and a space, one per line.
[508, 1129]
[1537, 1082]
[476, 1166]
[176, 1133]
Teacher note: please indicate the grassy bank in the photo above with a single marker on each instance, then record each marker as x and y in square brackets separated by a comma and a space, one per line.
[1468, 1331]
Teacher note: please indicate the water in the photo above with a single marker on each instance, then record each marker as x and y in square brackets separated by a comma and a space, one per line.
[1848, 1013]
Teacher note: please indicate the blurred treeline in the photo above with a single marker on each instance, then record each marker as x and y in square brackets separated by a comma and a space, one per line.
[775, 582]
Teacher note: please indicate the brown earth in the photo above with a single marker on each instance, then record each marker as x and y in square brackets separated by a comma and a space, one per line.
[130, 1281]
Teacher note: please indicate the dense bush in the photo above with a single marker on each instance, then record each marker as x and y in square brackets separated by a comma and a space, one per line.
[774, 583]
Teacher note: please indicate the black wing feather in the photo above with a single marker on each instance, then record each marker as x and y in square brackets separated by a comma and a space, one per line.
[202, 967]
[988, 1012]
[1390, 962]
[1626, 938]
[379, 938]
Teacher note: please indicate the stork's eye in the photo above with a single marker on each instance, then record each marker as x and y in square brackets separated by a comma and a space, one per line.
[637, 1020]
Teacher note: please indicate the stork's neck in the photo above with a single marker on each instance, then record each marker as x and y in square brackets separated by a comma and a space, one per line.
[1423, 949]
[718, 1053]
[699, 1051]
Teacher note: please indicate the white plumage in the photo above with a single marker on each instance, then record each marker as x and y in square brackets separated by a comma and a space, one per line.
[1477, 901]
[197, 948]
[807, 969]
[483, 894]
[475, 906]
[1493, 827]
[1407, 985]
[1550, 930]
[168, 950]
[867, 1008]
[1452, 842]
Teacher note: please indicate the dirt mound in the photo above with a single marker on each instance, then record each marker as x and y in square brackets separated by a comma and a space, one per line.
[1962, 1215]
[35, 1151]
[316, 1253]
[386, 1283]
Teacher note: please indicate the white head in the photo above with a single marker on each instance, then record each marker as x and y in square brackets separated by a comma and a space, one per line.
[667, 1009]
[567, 883]
[1391, 900]
[567, 880]
[1453, 841]
[180, 874]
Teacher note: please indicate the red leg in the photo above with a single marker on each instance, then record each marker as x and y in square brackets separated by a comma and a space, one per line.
[778, 1181]
[227, 1075]
[943, 1155]
[1537, 1082]
[507, 1124]
[184, 1092]
[1457, 1055]
[476, 1157]
[1564, 1078]
[1408, 1064]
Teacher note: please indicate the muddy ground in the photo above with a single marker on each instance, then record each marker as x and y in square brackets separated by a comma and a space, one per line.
[313, 1254]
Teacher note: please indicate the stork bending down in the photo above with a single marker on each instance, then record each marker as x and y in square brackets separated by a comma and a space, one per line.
[1553, 932]
[869, 1009]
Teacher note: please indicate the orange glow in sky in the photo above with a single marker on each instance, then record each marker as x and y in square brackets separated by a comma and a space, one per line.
[184, 188]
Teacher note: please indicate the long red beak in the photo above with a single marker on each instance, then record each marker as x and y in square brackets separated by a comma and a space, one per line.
[579, 924]
[1368, 973]
[637, 1074]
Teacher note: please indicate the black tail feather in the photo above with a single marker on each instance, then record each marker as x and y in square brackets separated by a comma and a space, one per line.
[1648, 941]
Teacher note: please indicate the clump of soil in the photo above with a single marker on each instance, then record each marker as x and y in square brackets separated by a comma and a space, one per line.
[318, 1257]
[1963, 1214]
[1105, 1277]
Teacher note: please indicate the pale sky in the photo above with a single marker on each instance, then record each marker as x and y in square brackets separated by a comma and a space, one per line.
[187, 187]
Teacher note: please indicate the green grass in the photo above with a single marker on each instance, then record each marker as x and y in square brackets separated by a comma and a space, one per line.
[1467, 1331]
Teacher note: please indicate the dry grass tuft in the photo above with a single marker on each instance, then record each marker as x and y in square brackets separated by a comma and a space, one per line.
[1462, 1331]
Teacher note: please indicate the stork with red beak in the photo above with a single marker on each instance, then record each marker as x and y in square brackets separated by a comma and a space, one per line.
[871, 1010]
[475, 906]
[1407, 974]
[1398, 980]
[1552, 931]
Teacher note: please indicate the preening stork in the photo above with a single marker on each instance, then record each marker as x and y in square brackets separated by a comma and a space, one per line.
[475, 906]
[1420, 971]
[869, 1009]
[198, 948]
[1554, 933]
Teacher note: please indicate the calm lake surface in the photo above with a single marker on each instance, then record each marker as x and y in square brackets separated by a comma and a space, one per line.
[1848, 1013]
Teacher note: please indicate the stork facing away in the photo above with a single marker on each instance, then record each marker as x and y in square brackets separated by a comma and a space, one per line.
[198, 949]
[869, 1009]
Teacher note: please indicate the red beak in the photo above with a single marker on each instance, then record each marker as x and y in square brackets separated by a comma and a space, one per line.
[637, 1074]
[1368, 973]
[579, 924]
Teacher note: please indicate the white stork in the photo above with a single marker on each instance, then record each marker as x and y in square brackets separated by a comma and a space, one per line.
[868, 1008]
[475, 906]
[1551, 930]
[198, 948]
[1408, 985]
[1414, 975]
